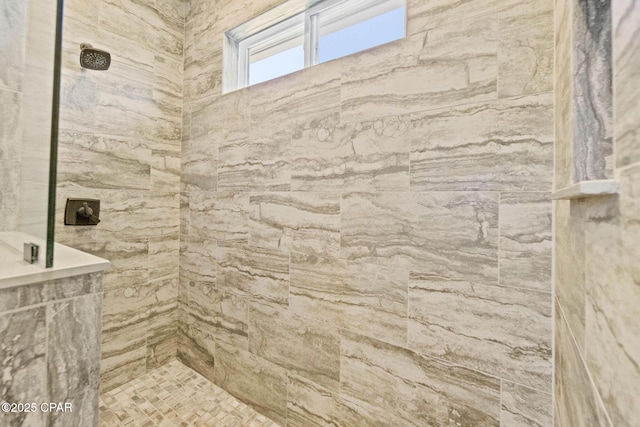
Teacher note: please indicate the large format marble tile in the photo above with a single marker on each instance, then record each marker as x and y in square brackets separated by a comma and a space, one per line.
[73, 359]
[570, 265]
[163, 256]
[23, 373]
[196, 349]
[626, 63]
[365, 298]
[103, 161]
[575, 396]
[125, 323]
[454, 64]
[289, 103]
[563, 94]
[300, 222]
[10, 157]
[526, 49]
[526, 240]
[257, 273]
[504, 332]
[163, 323]
[309, 404]
[612, 351]
[375, 228]
[259, 162]
[415, 390]
[424, 232]
[223, 315]
[425, 15]
[592, 91]
[13, 29]
[522, 406]
[197, 260]
[255, 381]
[504, 145]
[223, 216]
[303, 347]
[355, 156]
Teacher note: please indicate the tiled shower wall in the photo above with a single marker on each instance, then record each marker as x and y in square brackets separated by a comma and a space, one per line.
[597, 353]
[120, 143]
[368, 241]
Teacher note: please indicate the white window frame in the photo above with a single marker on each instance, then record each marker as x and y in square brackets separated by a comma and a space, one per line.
[240, 42]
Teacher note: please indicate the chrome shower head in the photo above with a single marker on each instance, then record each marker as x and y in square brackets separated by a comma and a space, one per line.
[94, 59]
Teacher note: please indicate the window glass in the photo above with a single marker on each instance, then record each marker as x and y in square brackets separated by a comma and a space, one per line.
[276, 65]
[345, 40]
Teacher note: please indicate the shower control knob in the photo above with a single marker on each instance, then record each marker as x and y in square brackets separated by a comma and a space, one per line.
[87, 212]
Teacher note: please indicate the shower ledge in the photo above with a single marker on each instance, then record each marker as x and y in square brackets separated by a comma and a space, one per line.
[67, 262]
[583, 189]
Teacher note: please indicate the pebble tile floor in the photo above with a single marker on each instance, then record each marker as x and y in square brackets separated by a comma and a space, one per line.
[174, 396]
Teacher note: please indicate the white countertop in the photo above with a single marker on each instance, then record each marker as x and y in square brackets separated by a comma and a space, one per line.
[67, 262]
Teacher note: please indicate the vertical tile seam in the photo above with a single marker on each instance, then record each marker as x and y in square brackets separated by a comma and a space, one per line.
[584, 366]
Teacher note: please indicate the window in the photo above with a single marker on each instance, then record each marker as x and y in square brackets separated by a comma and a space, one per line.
[259, 50]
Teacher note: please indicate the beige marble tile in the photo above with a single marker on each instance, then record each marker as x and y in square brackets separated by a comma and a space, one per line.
[626, 62]
[163, 323]
[454, 64]
[612, 352]
[504, 332]
[576, 400]
[309, 404]
[375, 228]
[522, 406]
[257, 273]
[259, 162]
[185, 214]
[13, 24]
[197, 260]
[355, 156]
[422, 16]
[570, 265]
[365, 298]
[163, 256]
[10, 157]
[563, 95]
[415, 390]
[504, 145]
[305, 348]
[103, 161]
[289, 103]
[300, 222]
[196, 349]
[165, 169]
[125, 322]
[236, 371]
[526, 51]
[223, 315]
[223, 216]
[526, 240]
[424, 232]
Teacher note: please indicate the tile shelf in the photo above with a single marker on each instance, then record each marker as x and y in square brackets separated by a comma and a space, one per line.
[584, 189]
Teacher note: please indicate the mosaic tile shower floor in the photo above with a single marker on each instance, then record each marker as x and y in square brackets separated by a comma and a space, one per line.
[172, 396]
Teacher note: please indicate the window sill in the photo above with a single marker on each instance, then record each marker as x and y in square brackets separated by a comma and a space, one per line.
[585, 189]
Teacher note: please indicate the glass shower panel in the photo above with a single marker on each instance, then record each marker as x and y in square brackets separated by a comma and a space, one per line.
[27, 47]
